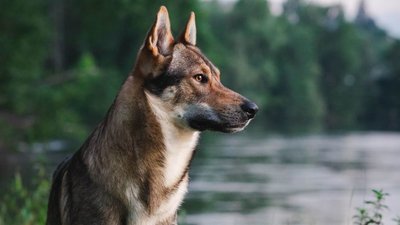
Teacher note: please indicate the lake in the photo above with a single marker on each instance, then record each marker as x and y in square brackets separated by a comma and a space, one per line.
[278, 180]
[315, 179]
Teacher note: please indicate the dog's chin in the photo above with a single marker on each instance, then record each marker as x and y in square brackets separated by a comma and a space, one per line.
[235, 128]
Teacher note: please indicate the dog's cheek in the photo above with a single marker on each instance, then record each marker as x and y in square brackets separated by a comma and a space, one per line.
[169, 93]
[179, 114]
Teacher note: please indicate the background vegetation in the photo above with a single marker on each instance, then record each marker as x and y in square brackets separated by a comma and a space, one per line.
[309, 69]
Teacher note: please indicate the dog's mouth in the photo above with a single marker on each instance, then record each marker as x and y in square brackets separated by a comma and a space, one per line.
[236, 128]
[204, 118]
[202, 125]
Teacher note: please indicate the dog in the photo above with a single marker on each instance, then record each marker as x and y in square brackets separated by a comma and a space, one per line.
[133, 168]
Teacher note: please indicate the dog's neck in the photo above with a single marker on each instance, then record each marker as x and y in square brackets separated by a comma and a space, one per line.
[140, 135]
[179, 141]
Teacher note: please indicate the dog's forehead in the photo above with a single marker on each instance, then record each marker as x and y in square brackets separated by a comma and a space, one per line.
[189, 59]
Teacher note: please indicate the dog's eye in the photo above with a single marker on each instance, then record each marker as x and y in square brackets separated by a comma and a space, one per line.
[201, 78]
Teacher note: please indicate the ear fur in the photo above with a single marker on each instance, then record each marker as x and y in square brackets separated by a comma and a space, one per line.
[159, 40]
[189, 34]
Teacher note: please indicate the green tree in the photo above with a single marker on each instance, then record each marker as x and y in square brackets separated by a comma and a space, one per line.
[343, 83]
[23, 50]
[300, 107]
[384, 108]
[250, 39]
[338, 53]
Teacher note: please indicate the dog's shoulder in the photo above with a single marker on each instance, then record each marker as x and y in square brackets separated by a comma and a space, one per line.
[62, 167]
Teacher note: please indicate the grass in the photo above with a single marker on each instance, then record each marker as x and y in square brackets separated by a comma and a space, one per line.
[25, 203]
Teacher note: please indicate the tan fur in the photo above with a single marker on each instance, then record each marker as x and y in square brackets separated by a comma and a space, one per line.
[134, 168]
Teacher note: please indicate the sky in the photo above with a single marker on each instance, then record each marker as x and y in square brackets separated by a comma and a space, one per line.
[386, 13]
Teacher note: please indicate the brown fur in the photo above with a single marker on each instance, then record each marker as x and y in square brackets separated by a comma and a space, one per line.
[123, 173]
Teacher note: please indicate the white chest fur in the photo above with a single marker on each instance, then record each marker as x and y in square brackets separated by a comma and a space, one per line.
[139, 215]
[179, 142]
[179, 150]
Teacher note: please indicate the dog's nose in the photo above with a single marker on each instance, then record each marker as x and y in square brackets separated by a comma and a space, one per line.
[250, 108]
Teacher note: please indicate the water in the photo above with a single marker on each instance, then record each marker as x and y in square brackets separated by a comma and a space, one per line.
[306, 180]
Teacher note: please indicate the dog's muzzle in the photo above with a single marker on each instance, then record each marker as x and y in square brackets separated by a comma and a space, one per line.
[230, 119]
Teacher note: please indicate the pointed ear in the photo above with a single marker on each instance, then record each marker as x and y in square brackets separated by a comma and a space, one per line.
[189, 34]
[159, 40]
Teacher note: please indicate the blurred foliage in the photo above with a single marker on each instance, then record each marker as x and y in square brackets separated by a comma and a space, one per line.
[25, 204]
[309, 69]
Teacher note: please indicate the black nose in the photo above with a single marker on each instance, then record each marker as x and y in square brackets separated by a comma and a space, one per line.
[250, 108]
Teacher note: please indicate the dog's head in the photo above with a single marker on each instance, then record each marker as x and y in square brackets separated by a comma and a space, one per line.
[183, 83]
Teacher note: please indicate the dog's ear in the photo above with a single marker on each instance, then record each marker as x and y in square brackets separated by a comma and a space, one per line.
[159, 40]
[189, 34]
